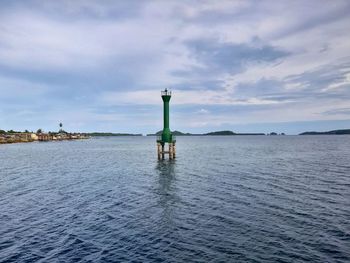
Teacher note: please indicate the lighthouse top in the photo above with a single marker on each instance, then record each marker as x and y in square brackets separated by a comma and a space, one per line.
[166, 92]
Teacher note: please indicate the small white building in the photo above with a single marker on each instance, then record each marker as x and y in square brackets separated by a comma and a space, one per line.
[34, 136]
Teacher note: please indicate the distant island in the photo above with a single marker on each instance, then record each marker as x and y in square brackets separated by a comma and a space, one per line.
[176, 133]
[93, 134]
[231, 133]
[216, 133]
[334, 132]
[221, 133]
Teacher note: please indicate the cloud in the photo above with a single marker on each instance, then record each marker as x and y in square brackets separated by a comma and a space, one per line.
[341, 111]
[203, 111]
[311, 18]
[181, 97]
[331, 81]
[214, 56]
[324, 83]
[104, 63]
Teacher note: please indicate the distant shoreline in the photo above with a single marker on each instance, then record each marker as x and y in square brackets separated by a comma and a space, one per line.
[111, 134]
[231, 133]
[216, 133]
[18, 137]
[24, 137]
[333, 132]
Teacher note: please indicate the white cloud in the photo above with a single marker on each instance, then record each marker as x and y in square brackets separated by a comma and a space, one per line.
[203, 111]
[181, 97]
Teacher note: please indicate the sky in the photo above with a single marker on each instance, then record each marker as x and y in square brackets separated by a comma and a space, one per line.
[246, 66]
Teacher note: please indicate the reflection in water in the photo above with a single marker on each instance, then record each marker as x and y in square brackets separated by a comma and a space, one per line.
[166, 190]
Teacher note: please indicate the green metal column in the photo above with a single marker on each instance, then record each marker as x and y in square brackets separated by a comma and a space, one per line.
[166, 135]
[166, 112]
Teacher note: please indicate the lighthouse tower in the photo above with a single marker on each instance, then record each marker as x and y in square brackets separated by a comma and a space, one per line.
[166, 136]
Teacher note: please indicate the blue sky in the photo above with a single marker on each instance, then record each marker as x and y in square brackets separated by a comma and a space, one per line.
[246, 66]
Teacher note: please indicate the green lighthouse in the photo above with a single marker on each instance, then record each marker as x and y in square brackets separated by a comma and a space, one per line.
[166, 136]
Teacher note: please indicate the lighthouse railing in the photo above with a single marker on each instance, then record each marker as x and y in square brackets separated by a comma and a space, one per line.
[166, 93]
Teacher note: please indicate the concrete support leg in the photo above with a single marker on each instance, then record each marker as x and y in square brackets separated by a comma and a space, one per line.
[170, 151]
[159, 150]
[174, 150]
[162, 151]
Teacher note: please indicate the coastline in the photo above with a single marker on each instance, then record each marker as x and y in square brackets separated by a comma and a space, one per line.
[8, 138]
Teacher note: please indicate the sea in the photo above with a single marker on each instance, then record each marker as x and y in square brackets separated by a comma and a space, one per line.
[223, 199]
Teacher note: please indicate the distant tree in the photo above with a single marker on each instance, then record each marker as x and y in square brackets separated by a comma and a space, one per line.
[2, 132]
[11, 131]
[39, 131]
[26, 131]
[61, 124]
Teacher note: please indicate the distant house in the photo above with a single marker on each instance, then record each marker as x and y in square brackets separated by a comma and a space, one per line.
[34, 137]
[44, 137]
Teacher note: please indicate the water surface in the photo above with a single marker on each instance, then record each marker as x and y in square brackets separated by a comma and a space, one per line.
[224, 199]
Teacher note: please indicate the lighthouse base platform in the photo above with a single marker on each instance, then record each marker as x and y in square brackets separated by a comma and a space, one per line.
[161, 150]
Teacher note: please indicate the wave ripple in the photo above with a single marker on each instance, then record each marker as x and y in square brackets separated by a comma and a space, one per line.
[224, 199]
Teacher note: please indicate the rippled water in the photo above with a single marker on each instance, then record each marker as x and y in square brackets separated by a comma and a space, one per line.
[224, 199]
